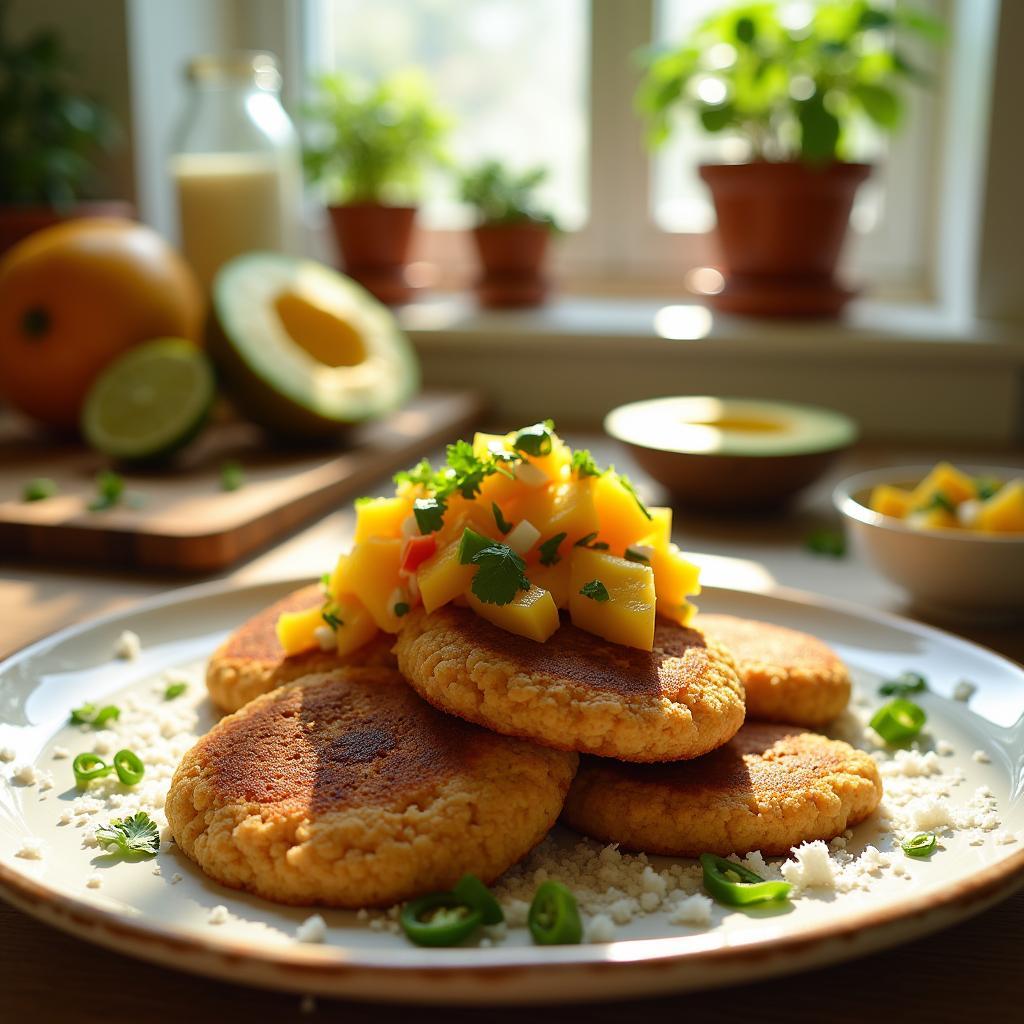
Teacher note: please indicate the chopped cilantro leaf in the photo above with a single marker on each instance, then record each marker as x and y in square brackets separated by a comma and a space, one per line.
[590, 541]
[826, 542]
[632, 555]
[583, 464]
[109, 490]
[402, 608]
[422, 474]
[903, 684]
[429, 513]
[175, 690]
[232, 476]
[364, 500]
[502, 523]
[133, 836]
[985, 486]
[937, 500]
[501, 574]
[631, 490]
[595, 590]
[470, 544]
[329, 613]
[549, 549]
[39, 489]
[325, 581]
[536, 439]
[468, 468]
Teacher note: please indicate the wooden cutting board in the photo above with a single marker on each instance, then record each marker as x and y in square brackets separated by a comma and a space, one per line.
[179, 518]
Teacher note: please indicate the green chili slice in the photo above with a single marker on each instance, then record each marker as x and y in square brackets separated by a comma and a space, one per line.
[88, 767]
[129, 767]
[439, 919]
[471, 891]
[105, 714]
[898, 720]
[737, 886]
[554, 918]
[921, 845]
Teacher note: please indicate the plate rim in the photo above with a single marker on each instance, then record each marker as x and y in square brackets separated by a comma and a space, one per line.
[329, 965]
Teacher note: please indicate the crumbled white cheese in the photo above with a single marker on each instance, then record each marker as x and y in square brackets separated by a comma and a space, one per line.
[218, 915]
[600, 928]
[981, 757]
[912, 763]
[944, 748]
[31, 848]
[695, 909]
[128, 646]
[313, 929]
[928, 814]
[156, 870]
[7, 754]
[175, 878]
[964, 690]
[812, 867]
[94, 881]
[25, 774]
[105, 742]
[967, 512]
[61, 753]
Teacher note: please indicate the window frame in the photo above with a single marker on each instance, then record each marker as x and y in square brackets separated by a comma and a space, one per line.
[622, 250]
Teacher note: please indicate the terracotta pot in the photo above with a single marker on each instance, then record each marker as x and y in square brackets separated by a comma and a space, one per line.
[18, 221]
[373, 241]
[781, 227]
[512, 257]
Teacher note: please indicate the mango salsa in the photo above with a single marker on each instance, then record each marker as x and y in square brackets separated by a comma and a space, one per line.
[626, 614]
[515, 527]
[949, 499]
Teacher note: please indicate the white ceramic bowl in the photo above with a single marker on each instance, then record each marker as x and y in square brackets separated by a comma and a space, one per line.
[954, 572]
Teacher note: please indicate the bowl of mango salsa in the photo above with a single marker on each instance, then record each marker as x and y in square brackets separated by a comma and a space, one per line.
[952, 536]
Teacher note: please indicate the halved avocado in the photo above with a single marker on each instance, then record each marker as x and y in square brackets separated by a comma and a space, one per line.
[303, 350]
[731, 454]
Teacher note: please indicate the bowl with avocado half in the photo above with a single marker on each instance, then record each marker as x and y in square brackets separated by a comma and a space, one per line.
[732, 455]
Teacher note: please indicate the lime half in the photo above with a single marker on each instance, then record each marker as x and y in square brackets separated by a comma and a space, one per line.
[149, 402]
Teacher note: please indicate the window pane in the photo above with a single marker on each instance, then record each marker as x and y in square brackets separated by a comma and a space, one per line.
[512, 73]
[679, 199]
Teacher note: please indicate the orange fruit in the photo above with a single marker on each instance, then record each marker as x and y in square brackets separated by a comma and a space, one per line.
[75, 296]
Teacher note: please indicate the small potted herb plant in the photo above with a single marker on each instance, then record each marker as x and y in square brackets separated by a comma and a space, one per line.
[511, 234]
[368, 146]
[798, 93]
[50, 135]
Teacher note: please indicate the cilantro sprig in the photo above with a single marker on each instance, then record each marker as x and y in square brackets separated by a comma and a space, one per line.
[583, 464]
[501, 573]
[109, 490]
[329, 613]
[429, 513]
[536, 440]
[549, 549]
[134, 836]
[39, 489]
[499, 519]
[937, 500]
[905, 683]
[232, 476]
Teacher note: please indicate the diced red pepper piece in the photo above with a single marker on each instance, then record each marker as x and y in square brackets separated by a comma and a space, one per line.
[417, 551]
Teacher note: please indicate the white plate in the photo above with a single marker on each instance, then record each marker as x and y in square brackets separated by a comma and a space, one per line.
[144, 914]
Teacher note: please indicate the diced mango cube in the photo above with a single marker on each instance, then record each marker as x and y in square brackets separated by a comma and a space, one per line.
[554, 578]
[371, 574]
[1004, 511]
[556, 464]
[381, 517]
[562, 508]
[890, 501]
[462, 512]
[944, 479]
[622, 520]
[627, 617]
[675, 579]
[442, 577]
[296, 631]
[532, 613]
[661, 527]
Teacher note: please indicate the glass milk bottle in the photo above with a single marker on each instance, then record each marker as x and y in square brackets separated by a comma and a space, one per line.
[236, 163]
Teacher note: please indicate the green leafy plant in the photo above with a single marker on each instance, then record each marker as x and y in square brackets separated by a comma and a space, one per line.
[794, 90]
[372, 143]
[503, 196]
[50, 133]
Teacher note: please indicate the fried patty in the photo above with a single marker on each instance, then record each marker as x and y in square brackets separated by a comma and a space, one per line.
[576, 691]
[251, 660]
[789, 676]
[770, 788]
[345, 789]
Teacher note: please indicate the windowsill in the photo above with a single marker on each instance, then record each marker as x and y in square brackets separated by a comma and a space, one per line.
[871, 329]
[903, 371]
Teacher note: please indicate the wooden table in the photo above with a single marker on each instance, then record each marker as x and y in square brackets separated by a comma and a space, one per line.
[973, 968]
